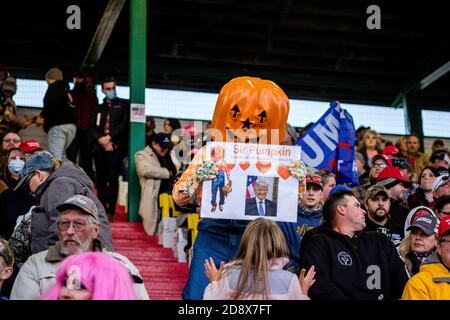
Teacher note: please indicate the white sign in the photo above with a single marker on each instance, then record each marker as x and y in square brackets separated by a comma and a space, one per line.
[137, 113]
[253, 180]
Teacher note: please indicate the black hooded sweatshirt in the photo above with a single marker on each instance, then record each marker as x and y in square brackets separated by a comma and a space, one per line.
[57, 108]
[364, 267]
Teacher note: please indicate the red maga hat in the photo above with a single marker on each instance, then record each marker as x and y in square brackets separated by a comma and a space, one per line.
[29, 146]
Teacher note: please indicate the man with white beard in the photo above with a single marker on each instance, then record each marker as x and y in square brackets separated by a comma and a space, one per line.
[78, 228]
[378, 219]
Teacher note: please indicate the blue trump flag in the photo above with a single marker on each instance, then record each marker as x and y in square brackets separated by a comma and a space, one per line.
[330, 144]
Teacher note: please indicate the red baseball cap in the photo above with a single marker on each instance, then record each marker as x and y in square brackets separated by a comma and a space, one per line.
[390, 150]
[29, 146]
[444, 226]
[390, 175]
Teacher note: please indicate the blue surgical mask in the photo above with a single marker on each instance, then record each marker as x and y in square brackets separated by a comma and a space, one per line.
[111, 94]
[15, 166]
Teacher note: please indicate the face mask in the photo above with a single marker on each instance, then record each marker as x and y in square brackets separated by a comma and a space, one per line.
[111, 94]
[15, 166]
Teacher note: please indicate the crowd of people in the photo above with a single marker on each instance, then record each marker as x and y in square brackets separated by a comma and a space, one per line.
[387, 238]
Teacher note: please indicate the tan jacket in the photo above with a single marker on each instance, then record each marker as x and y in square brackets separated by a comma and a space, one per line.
[39, 273]
[421, 160]
[150, 173]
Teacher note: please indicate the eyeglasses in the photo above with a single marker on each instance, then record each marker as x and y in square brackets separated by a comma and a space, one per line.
[313, 179]
[379, 165]
[77, 225]
[445, 212]
[12, 140]
[444, 241]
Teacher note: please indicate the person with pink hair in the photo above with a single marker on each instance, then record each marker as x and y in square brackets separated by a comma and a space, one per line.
[91, 276]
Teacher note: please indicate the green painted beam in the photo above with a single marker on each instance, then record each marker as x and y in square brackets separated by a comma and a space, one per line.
[413, 115]
[138, 68]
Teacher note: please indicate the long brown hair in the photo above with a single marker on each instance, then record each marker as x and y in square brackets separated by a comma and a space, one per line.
[262, 242]
[4, 172]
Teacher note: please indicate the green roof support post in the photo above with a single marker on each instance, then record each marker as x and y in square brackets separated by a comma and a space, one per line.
[413, 115]
[138, 76]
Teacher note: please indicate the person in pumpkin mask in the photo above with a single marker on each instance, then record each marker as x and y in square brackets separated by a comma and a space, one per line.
[250, 110]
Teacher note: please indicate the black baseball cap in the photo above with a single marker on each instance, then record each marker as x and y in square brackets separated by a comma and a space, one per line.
[163, 139]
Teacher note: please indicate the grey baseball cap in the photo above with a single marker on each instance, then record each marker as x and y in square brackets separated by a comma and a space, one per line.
[427, 223]
[81, 202]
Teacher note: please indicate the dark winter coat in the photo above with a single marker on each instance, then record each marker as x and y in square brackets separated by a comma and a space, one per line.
[364, 267]
[65, 182]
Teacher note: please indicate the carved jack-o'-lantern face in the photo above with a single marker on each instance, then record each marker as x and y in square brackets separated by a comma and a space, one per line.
[251, 109]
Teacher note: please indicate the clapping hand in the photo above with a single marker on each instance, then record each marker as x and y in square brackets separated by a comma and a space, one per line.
[211, 271]
[307, 281]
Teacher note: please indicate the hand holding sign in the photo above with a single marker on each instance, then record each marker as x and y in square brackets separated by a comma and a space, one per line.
[298, 170]
[207, 171]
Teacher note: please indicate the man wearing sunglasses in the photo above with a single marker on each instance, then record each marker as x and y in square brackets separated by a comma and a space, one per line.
[441, 186]
[440, 159]
[78, 229]
[433, 280]
[442, 207]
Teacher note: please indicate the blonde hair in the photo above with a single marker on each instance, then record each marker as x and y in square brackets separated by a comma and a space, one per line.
[362, 148]
[403, 249]
[262, 242]
[57, 163]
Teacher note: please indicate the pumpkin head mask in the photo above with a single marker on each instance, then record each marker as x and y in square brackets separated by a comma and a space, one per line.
[250, 109]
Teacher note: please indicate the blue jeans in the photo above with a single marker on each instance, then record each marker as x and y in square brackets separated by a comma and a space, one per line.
[214, 187]
[59, 139]
[216, 238]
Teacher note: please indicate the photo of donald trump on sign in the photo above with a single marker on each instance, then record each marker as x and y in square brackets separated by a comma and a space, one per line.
[260, 204]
